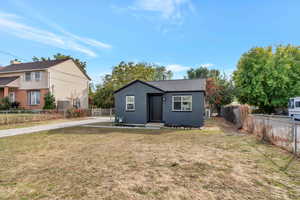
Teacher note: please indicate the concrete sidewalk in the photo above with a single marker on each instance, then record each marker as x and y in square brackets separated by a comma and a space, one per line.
[33, 129]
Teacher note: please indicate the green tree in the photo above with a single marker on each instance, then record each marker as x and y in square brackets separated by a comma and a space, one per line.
[219, 88]
[268, 77]
[49, 101]
[123, 74]
[58, 56]
[161, 73]
[202, 72]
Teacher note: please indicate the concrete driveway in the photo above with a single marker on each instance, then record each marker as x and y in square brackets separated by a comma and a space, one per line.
[33, 129]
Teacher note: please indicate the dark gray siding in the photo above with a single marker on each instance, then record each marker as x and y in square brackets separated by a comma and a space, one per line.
[193, 118]
[140, 91]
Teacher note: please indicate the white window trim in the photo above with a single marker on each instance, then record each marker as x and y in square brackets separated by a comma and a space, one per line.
[40, 77]
[133, 109]
[29, 76]
[13, 99]
[33, 102]
[181, 97]
[33, 76]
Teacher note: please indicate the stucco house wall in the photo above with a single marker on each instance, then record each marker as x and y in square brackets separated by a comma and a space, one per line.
[29, 85]
[67, 82]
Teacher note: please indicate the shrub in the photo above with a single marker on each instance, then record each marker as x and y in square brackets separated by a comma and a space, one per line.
[15, 105]
[74, 112]
[5, 104]
[49, 102]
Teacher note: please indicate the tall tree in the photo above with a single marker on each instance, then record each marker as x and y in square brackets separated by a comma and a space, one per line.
[58, 56]
[123, 74]
[268, 77]
[161, 73]
[219, 89]
[202, 72]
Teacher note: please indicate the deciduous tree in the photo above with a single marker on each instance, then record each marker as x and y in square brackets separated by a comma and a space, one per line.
[123, 74]
[268, 77]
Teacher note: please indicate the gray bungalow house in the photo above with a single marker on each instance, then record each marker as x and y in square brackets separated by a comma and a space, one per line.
[172, 102]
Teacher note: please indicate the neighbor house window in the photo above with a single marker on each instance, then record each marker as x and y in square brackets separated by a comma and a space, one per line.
[28, 76]
[130, 103]
[76, 103]
[33, 76]
[34, 97]
[37, 76]
[11, 97]
[182, 103]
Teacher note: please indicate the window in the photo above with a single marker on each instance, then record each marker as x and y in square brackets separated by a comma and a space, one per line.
[11, 97]
[130, 103]
[297, 104]
[28, 76]
[37, 76]
[76, 103]
[291, 103]
[33, 76]
[182, 103]
[33, 97]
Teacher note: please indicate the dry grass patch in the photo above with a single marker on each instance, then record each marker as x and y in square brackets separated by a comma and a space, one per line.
[92, 163]
[37, 123]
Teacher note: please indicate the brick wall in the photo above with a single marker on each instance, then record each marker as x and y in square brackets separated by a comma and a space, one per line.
[21, 96]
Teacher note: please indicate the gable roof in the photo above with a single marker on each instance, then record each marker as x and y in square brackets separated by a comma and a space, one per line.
[143, 82]
[31, 65]
[182, 85]
[38, 65]
[6, 80]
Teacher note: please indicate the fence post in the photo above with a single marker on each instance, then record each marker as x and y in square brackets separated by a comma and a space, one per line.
[110, 113]
[295, 137]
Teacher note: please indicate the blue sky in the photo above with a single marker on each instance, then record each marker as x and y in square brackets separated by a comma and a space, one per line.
[179, 34]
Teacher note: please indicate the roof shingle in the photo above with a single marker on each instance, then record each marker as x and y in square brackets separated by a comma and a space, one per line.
[180, 85]
[31, 65]
[6, 80]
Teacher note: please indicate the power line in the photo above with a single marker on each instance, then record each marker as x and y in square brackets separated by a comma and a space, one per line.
[10, 54]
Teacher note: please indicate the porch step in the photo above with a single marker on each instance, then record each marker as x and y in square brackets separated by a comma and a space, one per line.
[154, 125]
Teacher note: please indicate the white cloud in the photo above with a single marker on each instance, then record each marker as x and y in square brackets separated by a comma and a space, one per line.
[207, 65]
[8, 15]
[177, 68]
[168, 9]
[65, 40]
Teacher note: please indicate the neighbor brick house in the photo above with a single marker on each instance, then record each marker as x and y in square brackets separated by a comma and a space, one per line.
[27, 83]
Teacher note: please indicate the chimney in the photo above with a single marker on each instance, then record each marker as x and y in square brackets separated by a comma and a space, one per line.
[14, 62]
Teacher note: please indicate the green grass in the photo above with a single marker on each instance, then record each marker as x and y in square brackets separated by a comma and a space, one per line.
[95, 163]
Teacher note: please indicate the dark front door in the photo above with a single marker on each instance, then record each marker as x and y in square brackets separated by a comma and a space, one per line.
[155, 108]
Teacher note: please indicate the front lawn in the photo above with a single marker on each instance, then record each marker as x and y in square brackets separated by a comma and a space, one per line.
[216, 163]
[38, 123]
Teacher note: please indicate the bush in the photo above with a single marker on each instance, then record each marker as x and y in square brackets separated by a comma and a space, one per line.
[15, 105]
[49, 102]
[5, 104]
[74, 112]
